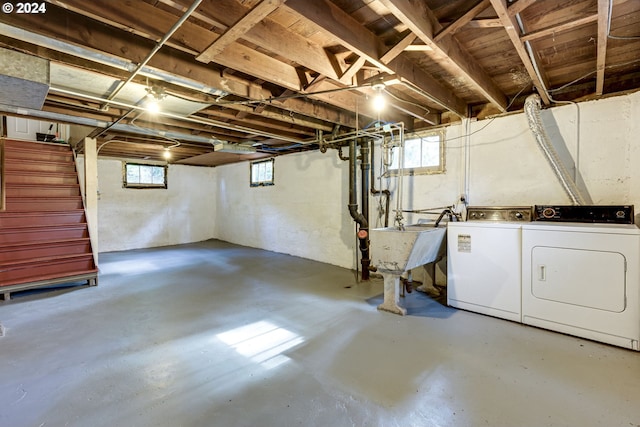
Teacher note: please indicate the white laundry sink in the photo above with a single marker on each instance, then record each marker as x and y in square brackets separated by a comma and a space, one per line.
[395, 251]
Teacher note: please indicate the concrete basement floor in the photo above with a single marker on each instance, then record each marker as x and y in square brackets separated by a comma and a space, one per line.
[214, 334]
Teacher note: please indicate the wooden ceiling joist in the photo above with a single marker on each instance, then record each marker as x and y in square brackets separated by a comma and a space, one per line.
[601, 59]
[467, 17]
[519, 6]
[276, 71]
[353, 35]
[248, 21]
[566, 26]
[511, 27]
[449, 54]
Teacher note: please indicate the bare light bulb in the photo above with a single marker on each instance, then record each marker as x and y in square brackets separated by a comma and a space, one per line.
[167, 154]
[379, 102]
[153, 106]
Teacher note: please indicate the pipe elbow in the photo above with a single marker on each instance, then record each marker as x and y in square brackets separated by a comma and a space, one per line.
[357, 216]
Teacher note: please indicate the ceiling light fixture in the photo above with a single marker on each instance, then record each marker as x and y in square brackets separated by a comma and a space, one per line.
[167, 154]
[155, 94]
[379, 101]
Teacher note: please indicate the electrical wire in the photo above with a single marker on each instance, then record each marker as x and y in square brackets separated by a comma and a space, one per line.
[415, 104]
[296, 95]
[492, 118]
[590, 73]
[609, 35]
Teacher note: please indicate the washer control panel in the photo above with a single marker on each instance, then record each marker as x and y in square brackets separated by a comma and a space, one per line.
[612, 214]
[499, 213]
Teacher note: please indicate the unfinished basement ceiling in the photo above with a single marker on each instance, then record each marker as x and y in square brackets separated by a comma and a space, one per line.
[278, 74]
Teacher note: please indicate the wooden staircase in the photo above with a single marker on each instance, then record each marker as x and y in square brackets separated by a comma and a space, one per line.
[44, 238]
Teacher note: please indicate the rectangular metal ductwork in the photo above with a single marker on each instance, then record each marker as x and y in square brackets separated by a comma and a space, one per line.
[224, 147]
[24, 80]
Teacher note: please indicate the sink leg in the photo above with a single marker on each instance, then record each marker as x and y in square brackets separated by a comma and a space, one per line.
[392, 295]
[428, 287]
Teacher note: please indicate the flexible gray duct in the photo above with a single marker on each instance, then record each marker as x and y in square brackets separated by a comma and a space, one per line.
[532, 106]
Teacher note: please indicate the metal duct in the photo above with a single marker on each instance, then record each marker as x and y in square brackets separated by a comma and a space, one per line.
[105, 59]
[63, 118]
[24, 80]
[532, 106]
[191, 119]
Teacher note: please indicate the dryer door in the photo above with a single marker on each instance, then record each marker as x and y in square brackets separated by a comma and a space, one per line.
[587, 278]
[584, 280]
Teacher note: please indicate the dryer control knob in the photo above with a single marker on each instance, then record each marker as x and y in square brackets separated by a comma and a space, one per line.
[548, 212]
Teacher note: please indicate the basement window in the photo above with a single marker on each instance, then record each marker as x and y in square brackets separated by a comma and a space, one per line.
[136, 175]
[423, 154]
[262, 173]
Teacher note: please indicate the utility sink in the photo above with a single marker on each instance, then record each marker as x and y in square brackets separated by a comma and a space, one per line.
[395, 251]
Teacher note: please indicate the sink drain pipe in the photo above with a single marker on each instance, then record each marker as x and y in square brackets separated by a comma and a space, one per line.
[360, 218]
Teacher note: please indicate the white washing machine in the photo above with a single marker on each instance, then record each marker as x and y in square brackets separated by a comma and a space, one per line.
[583, 280]
[484, 261]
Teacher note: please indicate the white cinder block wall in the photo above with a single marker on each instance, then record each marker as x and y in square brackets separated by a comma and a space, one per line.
[305, 213]
[141, 218]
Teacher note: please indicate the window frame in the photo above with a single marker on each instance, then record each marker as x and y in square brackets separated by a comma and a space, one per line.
[126, 184]
[264, 183]
[424, 170]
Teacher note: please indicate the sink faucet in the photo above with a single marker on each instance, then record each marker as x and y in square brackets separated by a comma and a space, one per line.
[448, 212]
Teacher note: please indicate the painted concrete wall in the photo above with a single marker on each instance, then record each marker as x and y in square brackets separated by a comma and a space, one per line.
[507, 167]
[305, 212]
[141, 218]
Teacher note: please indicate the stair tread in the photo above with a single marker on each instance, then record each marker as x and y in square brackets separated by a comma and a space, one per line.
[53, 242]
[41, 198]
[34, 185]
[45, 227]
[39, 160]
[48, 213]
[16, 172]
[12, 265]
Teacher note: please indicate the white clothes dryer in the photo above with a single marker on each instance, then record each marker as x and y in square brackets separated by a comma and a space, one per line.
[583, 280]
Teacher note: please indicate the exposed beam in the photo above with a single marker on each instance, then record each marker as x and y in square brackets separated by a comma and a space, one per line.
[255, 15]
[353, 35]
[268, 34]
[463, 20]
[601, 60]
[519, 6]
[560, 27]
[484, 23]
[511, 27]
[189, 38]
[418, 48]
[448, 52]
[352, 70]
[108, 45]
[480, 23]
[398, 48]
